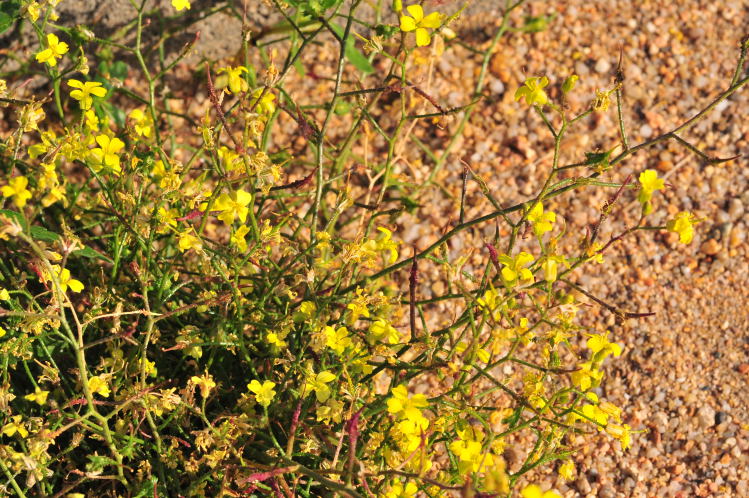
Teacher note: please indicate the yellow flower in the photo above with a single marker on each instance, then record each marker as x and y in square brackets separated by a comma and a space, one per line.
[92, 120]
[189, 241]
[358, 307]
[150, 367]
[238, 238]
[533, 92]
[586, 376]
[569, 83]
[233, 205]
[534, 491]
[307, 308]
[318, 384]
[4, 294]
[332, 410]
[16, 188]
[38, 396]
[514, 270]
[181, 4]
[237, 84]
[55, 194]
[407, 407]
[602, 101]
[567, 470]
[15, 426]
[649, 183]
[32, 10]
[159, 169]
[105, 156]
[205, 383]
[167, 218]
[264, 392]
[141, 123]
[275, 341]
[595, 414]
[593, 253]
[30, 117]
[397, 490]
[64, 279]
[380, 329]
[55, 49]
[622, 433]
[385, 243]
[683, 224]
[600, 345]
[542, 222]
[98, 385]
[611, 409]
[229, 159]
[84, 92]
[337, 339]
[550, 266]
[470, 451]
[417, 22]
[265, 104]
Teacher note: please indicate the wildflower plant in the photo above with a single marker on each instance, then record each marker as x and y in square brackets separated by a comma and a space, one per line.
[215, 299]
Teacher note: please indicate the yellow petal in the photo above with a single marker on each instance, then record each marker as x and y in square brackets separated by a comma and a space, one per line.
[98, 91]
[422, 37]
[75, 285]
[433, 20]
[416, 12]
[407, 23]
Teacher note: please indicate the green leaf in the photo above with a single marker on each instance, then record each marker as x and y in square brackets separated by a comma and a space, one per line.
[9, 12]
[356, 58]
[599, 161]
[99, 462]
[115, 113]
[300, 68]
[87, 252]
[314, 8]
[41, 233]
[342, 107]
[119, 70]
[536, 24]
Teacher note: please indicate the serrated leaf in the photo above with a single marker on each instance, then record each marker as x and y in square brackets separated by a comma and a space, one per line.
[599, 161]
[41, 233]
[87, 252]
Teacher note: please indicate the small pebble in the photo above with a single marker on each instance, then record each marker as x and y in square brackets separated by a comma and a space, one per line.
[602, 65]
[706, 416]
[710, 247]
[735, 208]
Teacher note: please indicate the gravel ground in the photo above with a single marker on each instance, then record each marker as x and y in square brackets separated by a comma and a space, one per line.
[683, 375]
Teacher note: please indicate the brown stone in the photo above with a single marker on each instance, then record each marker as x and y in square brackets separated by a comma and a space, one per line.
[711, 247]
